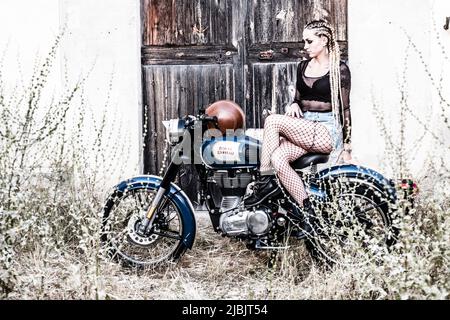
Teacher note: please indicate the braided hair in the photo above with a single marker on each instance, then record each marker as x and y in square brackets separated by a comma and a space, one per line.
[323, 28]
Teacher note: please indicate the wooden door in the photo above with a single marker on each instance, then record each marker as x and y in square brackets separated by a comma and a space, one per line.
[195, 52]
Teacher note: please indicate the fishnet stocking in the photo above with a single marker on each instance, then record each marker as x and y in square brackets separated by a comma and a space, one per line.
[302, 136]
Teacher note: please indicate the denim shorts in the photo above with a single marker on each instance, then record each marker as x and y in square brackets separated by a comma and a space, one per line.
[327, 119]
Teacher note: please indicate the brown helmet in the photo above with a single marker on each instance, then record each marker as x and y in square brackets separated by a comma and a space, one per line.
[229, 115]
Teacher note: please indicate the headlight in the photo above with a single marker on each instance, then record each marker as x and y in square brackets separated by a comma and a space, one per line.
[174, 130]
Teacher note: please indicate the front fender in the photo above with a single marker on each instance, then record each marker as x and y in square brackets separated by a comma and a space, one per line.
[175, 194]
[358, 173]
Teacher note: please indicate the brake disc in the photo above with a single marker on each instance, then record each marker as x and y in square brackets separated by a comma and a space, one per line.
[136, 237]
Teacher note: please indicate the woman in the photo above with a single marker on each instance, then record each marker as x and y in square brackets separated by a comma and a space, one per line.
[313, 122]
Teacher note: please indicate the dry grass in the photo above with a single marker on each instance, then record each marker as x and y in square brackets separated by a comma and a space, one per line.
[222, 268]
[217, 268]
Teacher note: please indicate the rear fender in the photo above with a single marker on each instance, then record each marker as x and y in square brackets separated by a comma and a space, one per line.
[363, 175]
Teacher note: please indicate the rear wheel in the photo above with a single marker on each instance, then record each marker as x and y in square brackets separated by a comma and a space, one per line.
[354, 227]
[125, 242]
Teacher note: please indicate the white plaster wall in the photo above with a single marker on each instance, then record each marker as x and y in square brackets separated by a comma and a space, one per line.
[27, 30]
[103, 39]
[440, 67]
[104, 36]
[379, 55]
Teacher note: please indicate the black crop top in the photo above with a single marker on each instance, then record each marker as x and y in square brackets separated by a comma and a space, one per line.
[314, 94]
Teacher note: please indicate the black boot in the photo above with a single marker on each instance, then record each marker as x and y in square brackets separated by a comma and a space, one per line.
[265, 187]
[309, 217]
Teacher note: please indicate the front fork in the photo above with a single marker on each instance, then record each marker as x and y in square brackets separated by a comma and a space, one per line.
[169, 177]
[179, 156]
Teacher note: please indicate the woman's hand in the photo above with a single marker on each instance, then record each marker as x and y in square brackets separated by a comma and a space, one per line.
[346, 155]
[294, 111]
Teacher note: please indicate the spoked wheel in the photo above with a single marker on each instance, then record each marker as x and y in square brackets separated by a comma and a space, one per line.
[353, 228]
[124, 240]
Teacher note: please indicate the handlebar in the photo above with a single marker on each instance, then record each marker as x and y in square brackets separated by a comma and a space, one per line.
[209, 119]
[190, 120]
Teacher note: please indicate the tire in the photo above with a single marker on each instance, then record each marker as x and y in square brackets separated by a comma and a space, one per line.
[355, 225]
[122, 214]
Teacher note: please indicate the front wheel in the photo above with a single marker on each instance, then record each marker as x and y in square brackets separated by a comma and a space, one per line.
[355, 225]
[123, 214]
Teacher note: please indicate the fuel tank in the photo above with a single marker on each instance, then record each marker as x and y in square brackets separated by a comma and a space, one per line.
[231, 152]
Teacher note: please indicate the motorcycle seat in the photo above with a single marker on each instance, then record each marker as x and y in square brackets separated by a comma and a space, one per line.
[309, 159]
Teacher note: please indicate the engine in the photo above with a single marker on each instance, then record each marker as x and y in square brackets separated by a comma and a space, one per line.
[234, 222]
[230, 187]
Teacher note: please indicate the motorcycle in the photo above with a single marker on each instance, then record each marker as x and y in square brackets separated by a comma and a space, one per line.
[148, 220]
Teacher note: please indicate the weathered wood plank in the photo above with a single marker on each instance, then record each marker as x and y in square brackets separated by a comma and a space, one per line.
[238, 40]
[286, 24]
[188, 54]
[275, 21]
[273, 84]
[151, 95]
[287, 51]
[340, 18]
[263, 30]
[334, 11]
[187, 22]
